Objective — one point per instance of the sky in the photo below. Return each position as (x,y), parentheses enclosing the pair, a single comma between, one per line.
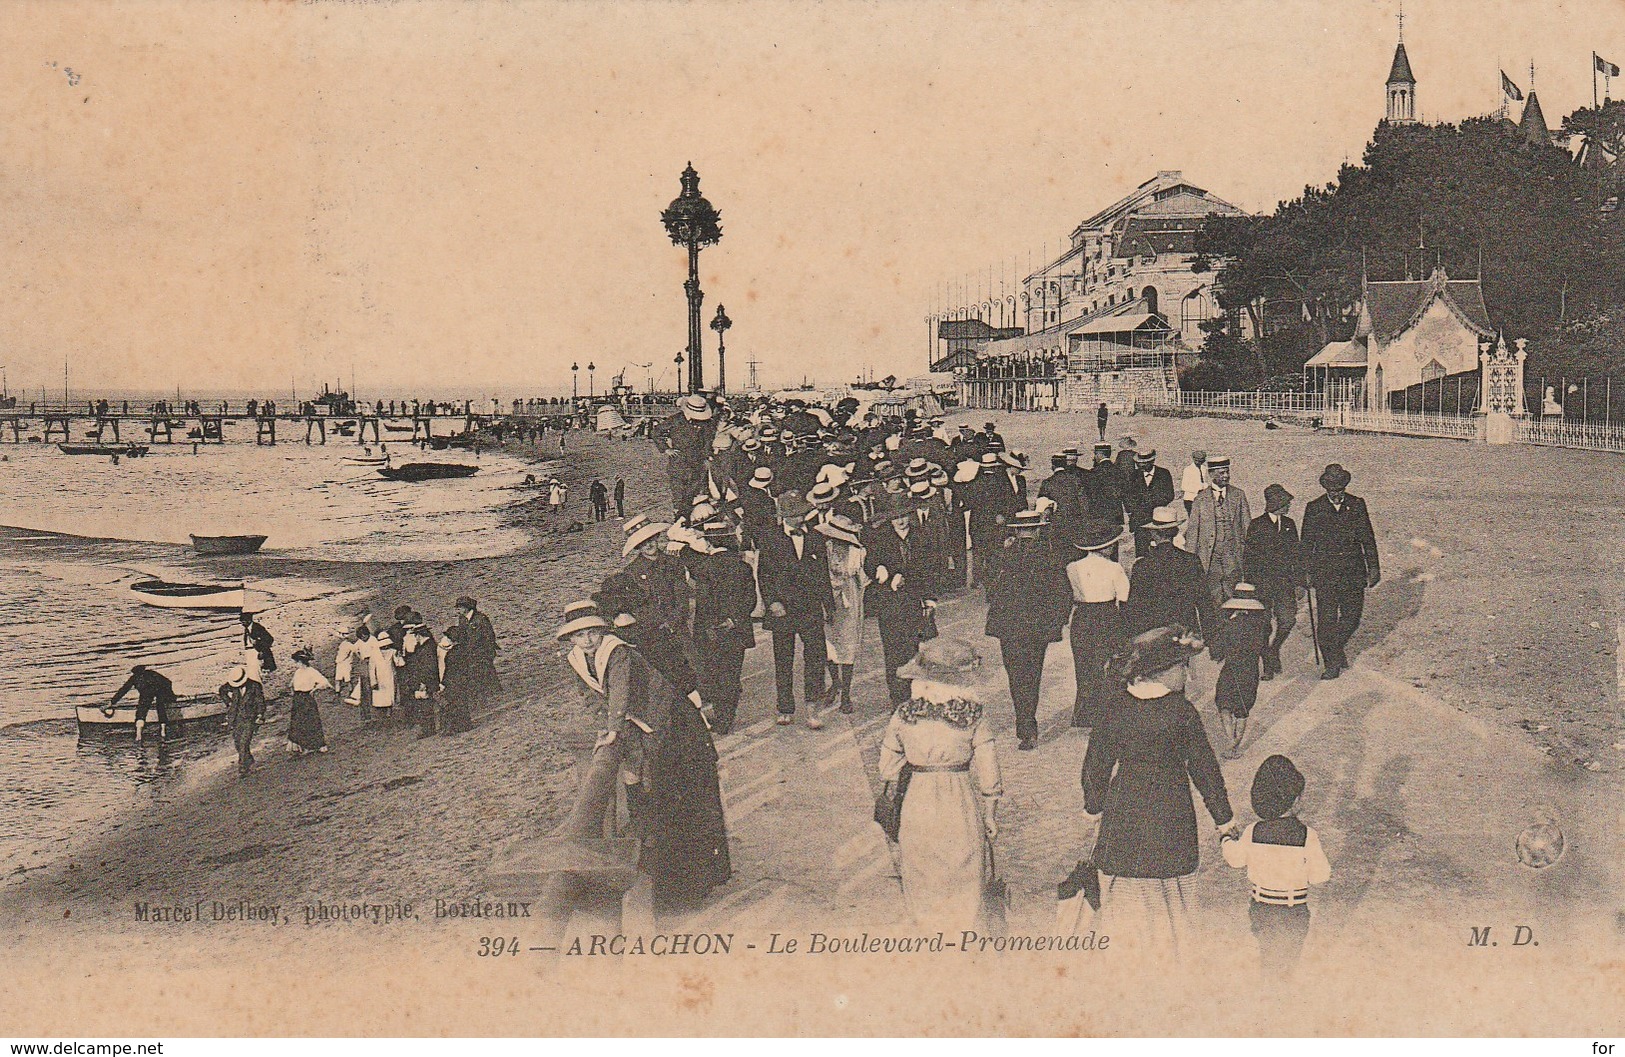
(464,198)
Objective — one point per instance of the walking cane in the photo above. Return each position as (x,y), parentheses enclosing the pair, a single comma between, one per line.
(1314,631)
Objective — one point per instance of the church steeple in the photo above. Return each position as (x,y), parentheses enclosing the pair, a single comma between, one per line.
(1401,82)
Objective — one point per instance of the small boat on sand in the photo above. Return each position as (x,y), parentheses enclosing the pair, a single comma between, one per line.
(227,544)
(397,427)
(365,460)
(428,471)
(195,711)
(103,450)
(166,595)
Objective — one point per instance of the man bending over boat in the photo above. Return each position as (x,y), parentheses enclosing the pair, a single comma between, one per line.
(153,691)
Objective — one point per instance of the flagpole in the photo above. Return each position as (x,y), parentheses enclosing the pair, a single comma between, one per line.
(1595,62)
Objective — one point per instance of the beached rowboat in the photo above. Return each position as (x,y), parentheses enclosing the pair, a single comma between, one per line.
(190,710)
(167,595)
(365,460)
(227,544)
(428,471)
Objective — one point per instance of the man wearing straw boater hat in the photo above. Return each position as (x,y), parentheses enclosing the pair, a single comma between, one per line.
(792,570)
(904,567)
(1166,588)
(1148,487)
(245,711)
(1340,562)
(758,511)
(1027,606)
(659,607)
(1273,564)
(724,598)
(687,437)
(1065,489)
(1099,589)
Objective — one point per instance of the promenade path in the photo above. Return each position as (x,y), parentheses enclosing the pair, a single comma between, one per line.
(1418,806)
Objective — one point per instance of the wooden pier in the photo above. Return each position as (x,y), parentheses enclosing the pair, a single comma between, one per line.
(57,423)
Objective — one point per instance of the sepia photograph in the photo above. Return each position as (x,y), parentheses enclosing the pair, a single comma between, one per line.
(910,519)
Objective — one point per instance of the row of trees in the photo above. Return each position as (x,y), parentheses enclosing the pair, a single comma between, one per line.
(1544,229)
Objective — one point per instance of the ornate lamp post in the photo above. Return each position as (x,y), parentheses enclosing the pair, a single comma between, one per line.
(575,394)
(693,223)
(720,323)
(590,368)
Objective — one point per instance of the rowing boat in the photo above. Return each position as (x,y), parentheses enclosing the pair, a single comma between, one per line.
(166,595)
(193,710)
(227,544)
(103,449)
(428,471)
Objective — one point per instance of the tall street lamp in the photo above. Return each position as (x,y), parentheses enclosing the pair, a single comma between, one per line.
(720,324)
(693,223)
(575,394)
(591,367)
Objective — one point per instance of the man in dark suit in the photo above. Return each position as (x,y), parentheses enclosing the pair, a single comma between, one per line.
(1065,488)
(1166,588)
(1148,486)
(992,496)
(1027,606)
(1271,561)
(1339,563)
(1103,488)
(904,561)
(792,571)
(724,599)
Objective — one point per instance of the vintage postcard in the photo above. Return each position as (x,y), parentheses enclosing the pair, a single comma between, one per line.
(822,519)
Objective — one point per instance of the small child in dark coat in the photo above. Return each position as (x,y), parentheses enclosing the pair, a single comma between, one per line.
(1240,642)
(1283,858)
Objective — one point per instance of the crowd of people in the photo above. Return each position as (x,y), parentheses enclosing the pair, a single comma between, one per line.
(399,675)
(812,521)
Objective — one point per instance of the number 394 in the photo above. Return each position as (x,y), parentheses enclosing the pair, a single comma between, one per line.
(497,946)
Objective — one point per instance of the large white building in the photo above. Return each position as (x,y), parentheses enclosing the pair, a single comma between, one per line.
(1134,257)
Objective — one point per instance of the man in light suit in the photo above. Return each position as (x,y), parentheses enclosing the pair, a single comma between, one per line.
(1217,532)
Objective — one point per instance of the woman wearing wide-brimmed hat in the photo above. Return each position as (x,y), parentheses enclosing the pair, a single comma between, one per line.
(843,624)
(305,732)
(667,762)
(1143,757)
(1099,589)
(948,817)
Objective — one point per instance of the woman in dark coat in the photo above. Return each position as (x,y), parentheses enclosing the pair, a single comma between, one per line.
(668,762)
(1137,774)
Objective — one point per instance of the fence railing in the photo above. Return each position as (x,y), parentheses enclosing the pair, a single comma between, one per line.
(1592,436)
(1259,402)
(1457,427)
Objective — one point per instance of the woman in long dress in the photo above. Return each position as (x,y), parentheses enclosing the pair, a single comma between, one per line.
(843,627)
(948,818)
(1099,589)
(1143,757)
(305,732)
(384,660)
(456,682)
(668,763)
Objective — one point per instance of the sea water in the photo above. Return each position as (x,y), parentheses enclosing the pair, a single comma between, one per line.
(78,530)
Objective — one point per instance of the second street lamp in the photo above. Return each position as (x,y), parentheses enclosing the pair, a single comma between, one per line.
(575,393)
(720,324)
(591,367)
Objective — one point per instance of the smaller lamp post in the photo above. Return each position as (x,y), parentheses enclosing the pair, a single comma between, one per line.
(575,393)
(590,368)
(720,324)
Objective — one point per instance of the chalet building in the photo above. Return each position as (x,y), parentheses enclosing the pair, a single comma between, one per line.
(1408,332)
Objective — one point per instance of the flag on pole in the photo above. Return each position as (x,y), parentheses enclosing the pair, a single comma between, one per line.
(1511,90)
(1604,67)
